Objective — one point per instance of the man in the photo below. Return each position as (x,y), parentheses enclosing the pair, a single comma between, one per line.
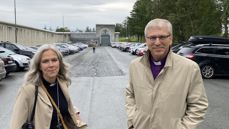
(94,45)
(165,90)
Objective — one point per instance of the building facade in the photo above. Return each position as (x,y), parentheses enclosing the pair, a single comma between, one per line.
(104,35)
(29,36)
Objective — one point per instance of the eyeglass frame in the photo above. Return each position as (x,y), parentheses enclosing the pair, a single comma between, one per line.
(160,37)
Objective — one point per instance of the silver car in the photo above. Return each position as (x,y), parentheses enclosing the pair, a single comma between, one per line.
(21,61)
(2,70)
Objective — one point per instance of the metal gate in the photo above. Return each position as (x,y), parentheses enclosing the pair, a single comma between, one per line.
(105,40)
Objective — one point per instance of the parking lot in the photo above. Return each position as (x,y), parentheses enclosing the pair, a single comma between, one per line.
(98,86)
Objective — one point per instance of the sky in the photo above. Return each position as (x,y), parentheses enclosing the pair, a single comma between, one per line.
(74,14)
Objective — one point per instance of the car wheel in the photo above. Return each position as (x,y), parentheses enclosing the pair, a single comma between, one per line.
(17,66)
(18,69)
(207,71)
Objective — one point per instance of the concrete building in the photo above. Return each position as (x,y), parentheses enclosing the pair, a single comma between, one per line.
(30,36)
(104,35)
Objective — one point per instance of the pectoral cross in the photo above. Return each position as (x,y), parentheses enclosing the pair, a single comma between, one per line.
(59,125)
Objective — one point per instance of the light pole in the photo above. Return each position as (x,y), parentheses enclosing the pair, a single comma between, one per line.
(63,29)
(126,30)
(15,21)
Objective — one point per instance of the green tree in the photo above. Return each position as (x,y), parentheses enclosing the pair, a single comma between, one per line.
(223,6)
(93,29)
(194,17)
(62,29)
(120,28)
(139,17)
(88,29)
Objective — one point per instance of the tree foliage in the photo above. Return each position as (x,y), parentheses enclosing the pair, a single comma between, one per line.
(62,29)
(88,29)
(223,6)
(139,17)
(120,28)
(189,17)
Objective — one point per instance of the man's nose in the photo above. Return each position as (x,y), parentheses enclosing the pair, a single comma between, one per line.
(157,41)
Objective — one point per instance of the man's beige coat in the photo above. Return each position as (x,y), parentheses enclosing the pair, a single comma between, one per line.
(176,99)
(43,113)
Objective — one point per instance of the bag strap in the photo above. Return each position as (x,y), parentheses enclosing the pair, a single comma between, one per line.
(57,109)
(35,103)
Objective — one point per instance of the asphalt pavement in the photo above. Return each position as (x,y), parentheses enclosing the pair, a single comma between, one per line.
(98,88)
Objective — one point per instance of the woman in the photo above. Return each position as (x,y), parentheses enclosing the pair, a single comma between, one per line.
(50,73)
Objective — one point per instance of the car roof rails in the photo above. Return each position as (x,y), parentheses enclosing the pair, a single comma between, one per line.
(207,39)
(211,44)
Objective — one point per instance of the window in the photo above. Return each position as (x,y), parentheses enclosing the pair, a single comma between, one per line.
(206,50)
(11,47)
(222,51)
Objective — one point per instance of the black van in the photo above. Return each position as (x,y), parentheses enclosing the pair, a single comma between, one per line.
(212,59)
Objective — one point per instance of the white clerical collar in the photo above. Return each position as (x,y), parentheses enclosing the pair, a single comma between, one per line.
(52,84)
(157,62)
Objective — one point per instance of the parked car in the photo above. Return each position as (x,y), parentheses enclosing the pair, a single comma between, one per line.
(18,48)
(80,45)
(21,61)
(2,70)
(133,47)
(134,50)
(72,49)
(65,51)
(113,44)
(208,40)
(176,47)
(212,59)
(9,63)
(141,51)
(125,47)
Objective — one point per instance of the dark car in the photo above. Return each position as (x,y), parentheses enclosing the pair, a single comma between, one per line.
(212,59)
(176,47)
(9,62)
(18,48)
(208,40)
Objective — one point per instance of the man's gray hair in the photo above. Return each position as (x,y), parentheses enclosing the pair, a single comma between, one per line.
(158,23)
(34,74)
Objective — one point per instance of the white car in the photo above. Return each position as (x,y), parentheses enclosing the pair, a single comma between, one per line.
(21,61)
(2,70)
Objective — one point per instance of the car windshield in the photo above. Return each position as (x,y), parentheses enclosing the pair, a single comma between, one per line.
(21,46)
(8,52)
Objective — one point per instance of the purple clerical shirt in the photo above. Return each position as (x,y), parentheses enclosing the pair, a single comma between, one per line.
(156,66)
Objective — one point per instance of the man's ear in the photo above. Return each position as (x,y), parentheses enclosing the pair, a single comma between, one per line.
(171,37)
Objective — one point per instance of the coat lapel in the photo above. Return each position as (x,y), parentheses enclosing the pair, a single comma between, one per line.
(43,96)
(147,68)
(64,88)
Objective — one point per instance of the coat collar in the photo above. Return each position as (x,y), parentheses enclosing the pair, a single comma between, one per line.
(145,59)
(146,63)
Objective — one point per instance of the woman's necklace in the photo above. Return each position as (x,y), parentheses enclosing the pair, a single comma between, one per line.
(58,105)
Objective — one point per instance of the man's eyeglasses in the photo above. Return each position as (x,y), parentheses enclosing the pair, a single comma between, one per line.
(160,37)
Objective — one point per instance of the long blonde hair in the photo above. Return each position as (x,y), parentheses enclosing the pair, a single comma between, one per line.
(34,74)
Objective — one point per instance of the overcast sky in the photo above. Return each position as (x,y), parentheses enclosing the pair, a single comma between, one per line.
(70,13)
